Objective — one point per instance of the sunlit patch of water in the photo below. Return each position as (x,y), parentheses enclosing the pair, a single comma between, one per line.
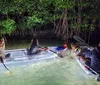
(59,72)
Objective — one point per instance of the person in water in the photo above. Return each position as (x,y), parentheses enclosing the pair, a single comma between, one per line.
(95,60)
(91,58)
(34,47)
(2,48)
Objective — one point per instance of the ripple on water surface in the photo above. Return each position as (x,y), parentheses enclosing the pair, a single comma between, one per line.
(59,72)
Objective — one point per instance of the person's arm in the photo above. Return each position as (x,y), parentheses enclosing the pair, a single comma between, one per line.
(83,59)
(2,44)
(43,48)
(1,59)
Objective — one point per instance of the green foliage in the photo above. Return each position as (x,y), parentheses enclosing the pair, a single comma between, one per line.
(41,12)
(65,4)
(29,22)
(14,6)
(7,26)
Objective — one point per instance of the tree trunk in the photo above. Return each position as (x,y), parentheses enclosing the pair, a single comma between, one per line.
(79,17)
(89,37)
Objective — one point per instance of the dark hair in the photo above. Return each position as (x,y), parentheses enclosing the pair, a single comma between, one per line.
(34,41)
(73,43)
(0,37)
(34,38)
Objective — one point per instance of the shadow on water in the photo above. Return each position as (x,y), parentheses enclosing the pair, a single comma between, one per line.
(15,44)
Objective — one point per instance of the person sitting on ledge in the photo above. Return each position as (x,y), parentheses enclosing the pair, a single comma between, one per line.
(2,48)
(34,47)
(93,61)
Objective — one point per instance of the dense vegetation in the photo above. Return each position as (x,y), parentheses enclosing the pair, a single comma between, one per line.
(62,16)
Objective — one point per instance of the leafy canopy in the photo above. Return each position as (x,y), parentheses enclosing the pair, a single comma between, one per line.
(29,14)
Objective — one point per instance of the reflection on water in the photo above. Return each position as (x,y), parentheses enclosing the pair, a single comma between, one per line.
(59,72)
(16,44)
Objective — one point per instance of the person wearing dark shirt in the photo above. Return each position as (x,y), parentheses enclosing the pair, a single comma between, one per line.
(34,44)
(91,58)
(86,55)
(95,60)
(34,47)
(2,47)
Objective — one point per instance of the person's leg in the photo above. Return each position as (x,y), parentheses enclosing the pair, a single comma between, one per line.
(28,51)
(37,52)
(88,62)
(1,59)
(98,79)
(82,59)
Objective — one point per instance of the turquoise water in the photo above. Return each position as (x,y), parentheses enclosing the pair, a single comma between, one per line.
(57,72)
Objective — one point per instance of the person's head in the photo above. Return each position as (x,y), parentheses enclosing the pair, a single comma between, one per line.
(34,39)
(1,39)
(73,46)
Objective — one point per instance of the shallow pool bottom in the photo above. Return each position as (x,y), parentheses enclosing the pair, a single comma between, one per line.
(58,72)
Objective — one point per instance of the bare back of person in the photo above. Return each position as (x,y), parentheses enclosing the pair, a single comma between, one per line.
(2,47)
